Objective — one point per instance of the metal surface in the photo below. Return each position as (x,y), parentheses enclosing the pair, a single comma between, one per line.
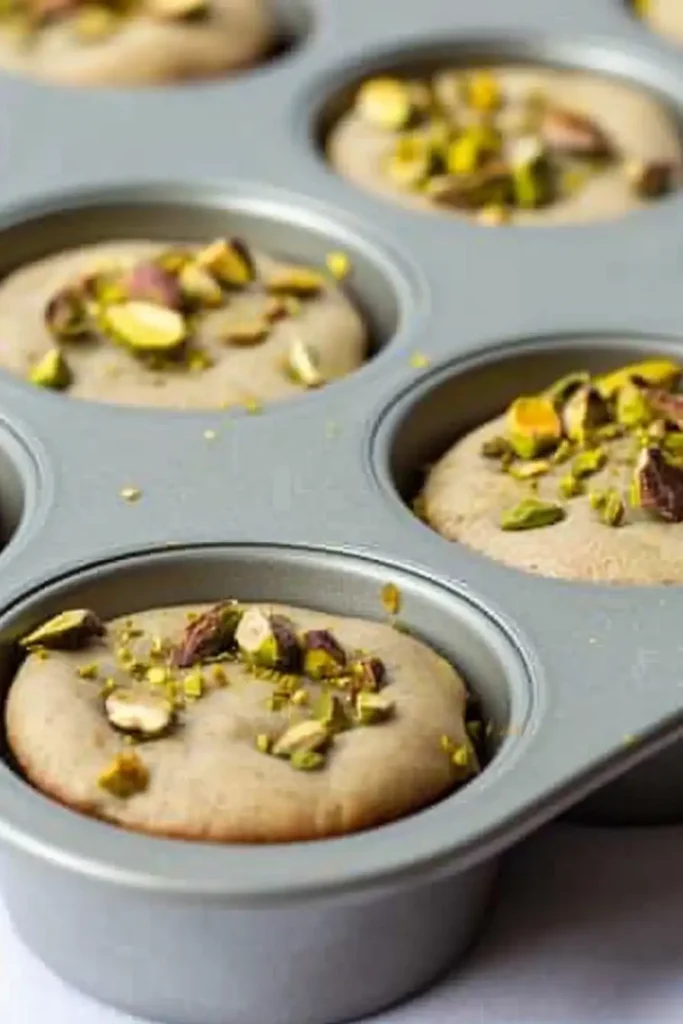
(304,503)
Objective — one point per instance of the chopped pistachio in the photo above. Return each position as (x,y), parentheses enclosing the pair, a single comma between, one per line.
(657,373)
(199,286)
(302,365)
(268,640)
(573,134)
(264,743)
(193,685)
(496,448)
(419,361)
(483,92)
(385,103)
(302,282)
(338,264)
(368,672)
(561,390)
(331,712)
(530,178)
(611,509)
(157,675)
(145,326)
(93,22)
(583,412)
(229,262)
(131,494)
(125,776)
(150,282)
(391,598)
(299,697)
(533,426)
(51,371)
(530,470)
(410,161)
(531,514)
(323,654)
(372,708)
(309,735)
(307,760)
(89,671)
(651,180)
(139,712)
(245,333)
(589,462)
(659,486)
(632,407)
(208,635)
(65,314)
(570,486)
(68,630)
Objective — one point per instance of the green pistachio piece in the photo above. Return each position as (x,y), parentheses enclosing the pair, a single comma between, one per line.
(497,448)
(570,487)
(52,371)
(208,635)
(145,326)
(410,161)
(268,641)
(307,760)
(301,365)
(138,712)
(656,373)
(68,630)
(561,390)
(323,655)
(531,514)
(611,509)
(530,470)
(373,708)
(309,736)
(65,314)
(331,712)
(584,412)
(229,261)
(199,287)
(632,407)
(302,282)
(125,776)
(533,426)
(385,103)
(530,174)
(492,185)
(589,462)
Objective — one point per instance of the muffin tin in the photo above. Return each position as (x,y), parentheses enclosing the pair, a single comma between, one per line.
(307,503)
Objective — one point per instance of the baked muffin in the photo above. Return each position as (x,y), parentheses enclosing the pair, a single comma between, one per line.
(237,723)
(177,325)
(584,481)
(664,16)
(133,42)
(511,144)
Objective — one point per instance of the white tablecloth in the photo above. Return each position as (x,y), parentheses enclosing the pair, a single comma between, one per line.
(588,928)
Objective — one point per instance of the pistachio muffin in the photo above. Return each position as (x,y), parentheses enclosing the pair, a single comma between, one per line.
(237,723)
(179,325)
(663,16)
(583,481)
(512,144)
(133,42)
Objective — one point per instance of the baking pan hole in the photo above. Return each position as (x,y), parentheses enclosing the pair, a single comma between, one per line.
(295,22)
(422,426)
(17,487)
(280,228)
(482,651)
(417,147)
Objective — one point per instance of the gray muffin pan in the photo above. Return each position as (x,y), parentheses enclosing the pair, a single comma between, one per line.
(306,503)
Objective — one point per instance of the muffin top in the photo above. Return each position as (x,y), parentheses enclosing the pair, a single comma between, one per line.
(237,723)
(584,481)
(177,325)
(664,16)
(133,42)
(521,144)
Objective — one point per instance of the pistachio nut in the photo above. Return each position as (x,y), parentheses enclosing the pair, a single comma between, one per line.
(490,185)
(531,181)
(67,631)
(199,287)
(269,641)
(65,314)
(531,514)
(656,373)
(150,282)
(323,655)
(145,327)
(338,264)
(51,371)
(245,333)
(483,91)
(659,485)
(612,509)
(573,134)
(410,161)
(212,633)
(94,22)
(570,486)
(301,365)
(307,760)
(667,405)
(331,712)
(176,10)
(530,470)
(469,151)
(384,103)
(632,407)
(589,462)
(302,282)
(309,735)
(498,448)
(533,426)
(368,672)
(390,596)
(230,262)
(372,708)
(583,412)
(139,712)
(651,180)
(561,390)
(125,776)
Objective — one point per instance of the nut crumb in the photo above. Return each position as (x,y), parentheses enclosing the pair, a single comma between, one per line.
(131,494)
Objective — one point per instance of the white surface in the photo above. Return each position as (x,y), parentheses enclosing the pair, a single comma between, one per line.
(588,928)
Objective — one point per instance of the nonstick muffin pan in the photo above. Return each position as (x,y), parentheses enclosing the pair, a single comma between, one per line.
(308,502)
